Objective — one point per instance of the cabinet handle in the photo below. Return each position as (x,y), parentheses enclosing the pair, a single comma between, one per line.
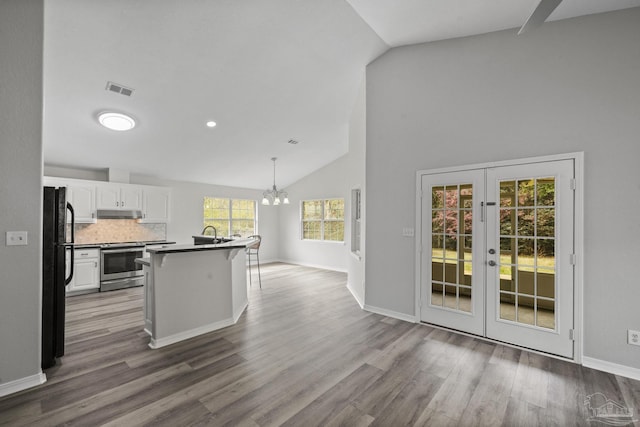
(95,264)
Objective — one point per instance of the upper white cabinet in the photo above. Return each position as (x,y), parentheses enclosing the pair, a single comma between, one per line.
(81,194)
(83,199)
(88,196)
(155,204)
(118,196)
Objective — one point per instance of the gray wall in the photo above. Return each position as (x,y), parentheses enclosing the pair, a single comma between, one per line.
(569,86)
(332,181)
(21,43)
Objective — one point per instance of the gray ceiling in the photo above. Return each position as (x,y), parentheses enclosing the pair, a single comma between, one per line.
(266,71)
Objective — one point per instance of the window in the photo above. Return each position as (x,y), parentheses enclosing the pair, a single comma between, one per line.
(356,220)
(323,220)
(230,216)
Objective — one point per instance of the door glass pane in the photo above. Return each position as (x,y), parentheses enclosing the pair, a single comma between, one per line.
(545,222)
(436,294)
(452,246)
(437,221)
(451,221)
(527,262)
(546,191)
(546,313)
(507,193)
(507,222)
(507,306)
(464,294)
(437,270)
(525,311)
(545,283)
(467,274)
(450,297)
(450,272)
(525,251)
(437,197)
(526,193)
(467,246)
(437,245)
(525,222)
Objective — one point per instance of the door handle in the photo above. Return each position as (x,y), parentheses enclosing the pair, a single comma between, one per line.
(492,263)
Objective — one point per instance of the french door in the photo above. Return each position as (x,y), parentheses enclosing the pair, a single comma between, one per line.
(497,250)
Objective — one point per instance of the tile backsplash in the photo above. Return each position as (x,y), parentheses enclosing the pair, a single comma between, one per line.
(119,230)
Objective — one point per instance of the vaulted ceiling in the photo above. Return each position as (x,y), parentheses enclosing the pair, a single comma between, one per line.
(266,71)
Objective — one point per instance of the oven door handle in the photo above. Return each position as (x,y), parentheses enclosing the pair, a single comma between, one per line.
(110,251)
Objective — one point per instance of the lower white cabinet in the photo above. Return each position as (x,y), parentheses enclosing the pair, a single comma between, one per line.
(86,271)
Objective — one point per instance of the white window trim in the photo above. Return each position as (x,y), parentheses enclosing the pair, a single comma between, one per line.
(230,220)
(322,221)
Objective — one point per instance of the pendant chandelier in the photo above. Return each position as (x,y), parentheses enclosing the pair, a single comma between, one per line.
(274,195)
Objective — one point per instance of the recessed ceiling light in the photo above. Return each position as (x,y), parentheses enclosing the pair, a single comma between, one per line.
(211,124)
(116,121)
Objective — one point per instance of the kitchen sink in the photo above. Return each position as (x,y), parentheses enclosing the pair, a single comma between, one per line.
(209,240)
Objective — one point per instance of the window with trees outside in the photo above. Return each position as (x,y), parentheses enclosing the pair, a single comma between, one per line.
(230,216)
(323,220)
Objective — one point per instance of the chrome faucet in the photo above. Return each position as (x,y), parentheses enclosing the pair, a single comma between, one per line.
(215,232)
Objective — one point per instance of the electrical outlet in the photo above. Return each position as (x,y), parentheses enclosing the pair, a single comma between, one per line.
(634,337)
(16,238)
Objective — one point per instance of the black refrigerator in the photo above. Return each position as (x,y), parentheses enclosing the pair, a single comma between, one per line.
(57,240)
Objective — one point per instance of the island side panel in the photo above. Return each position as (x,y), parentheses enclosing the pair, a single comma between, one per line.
(192,293)
(239,283)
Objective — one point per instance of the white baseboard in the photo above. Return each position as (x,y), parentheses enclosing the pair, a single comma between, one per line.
(355,295)
(390,313)
(306,264)
(236,315)
(172,339)
(22,384)
(612,368)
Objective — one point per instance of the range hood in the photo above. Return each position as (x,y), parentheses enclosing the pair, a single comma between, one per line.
(118,214)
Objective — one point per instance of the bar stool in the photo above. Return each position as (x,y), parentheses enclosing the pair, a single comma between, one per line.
(252,251)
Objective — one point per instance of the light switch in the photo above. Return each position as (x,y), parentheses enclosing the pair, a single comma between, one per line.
(16,238)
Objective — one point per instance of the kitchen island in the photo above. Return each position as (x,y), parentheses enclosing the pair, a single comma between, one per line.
(193,289)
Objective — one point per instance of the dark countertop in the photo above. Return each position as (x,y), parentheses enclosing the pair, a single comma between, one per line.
(99,245)
(240,243)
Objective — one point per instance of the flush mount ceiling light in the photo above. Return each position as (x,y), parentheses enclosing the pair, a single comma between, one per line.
(116,121)
(274,195)
(211,124)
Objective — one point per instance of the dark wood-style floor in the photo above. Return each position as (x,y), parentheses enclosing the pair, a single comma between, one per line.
(303,354)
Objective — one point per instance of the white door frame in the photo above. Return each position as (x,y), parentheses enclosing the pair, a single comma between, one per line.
(578,158)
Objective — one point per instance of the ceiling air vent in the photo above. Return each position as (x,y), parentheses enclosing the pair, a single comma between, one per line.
(118,88)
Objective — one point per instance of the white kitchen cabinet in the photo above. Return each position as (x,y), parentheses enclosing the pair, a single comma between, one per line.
(86,271)
(155,204)
(81,195)
(113,196)
(83,200)
(88,196)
